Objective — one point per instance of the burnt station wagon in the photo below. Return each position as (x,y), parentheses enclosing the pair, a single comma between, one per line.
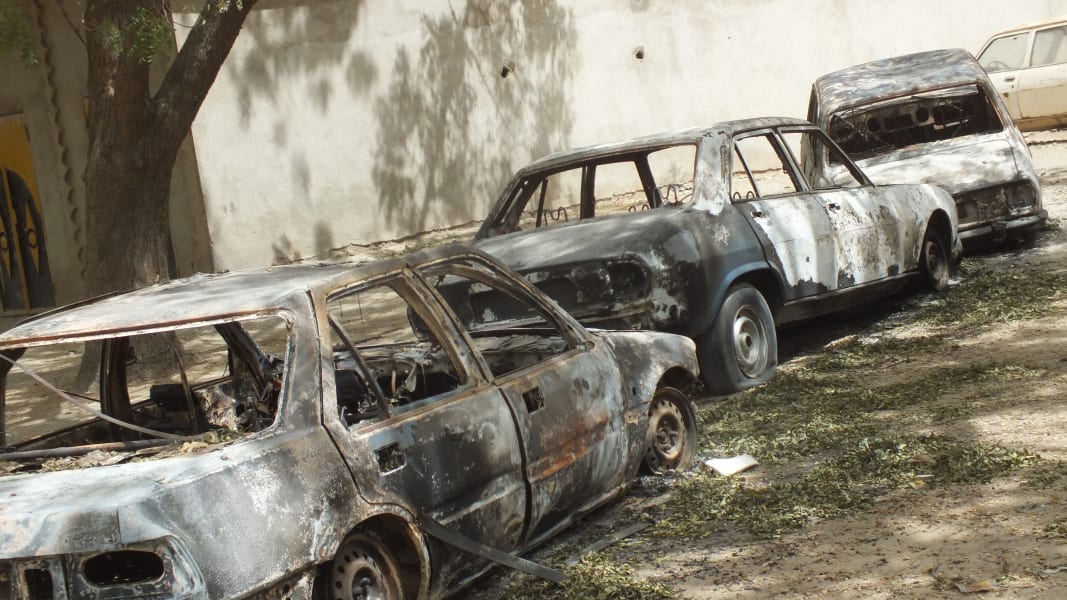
(717,234)
(324,431)
(935,117)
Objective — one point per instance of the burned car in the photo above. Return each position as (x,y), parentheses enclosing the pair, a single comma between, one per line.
(326,431)
(935,117)
(718,234)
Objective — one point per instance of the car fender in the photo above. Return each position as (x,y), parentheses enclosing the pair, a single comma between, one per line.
(764,275)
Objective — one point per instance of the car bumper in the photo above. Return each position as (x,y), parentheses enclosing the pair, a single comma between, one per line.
(998,230)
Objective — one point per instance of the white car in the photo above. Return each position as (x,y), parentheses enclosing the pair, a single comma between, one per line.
(1028,67)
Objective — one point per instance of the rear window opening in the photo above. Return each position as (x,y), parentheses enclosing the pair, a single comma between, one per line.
(62,402)
(882,127)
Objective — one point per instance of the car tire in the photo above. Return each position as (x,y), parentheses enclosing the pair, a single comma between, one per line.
(672,432)
(364,568)
(934,261)
(741,349)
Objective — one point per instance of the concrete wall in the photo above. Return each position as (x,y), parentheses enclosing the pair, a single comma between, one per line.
(52,97)
(48,95)
(337,122)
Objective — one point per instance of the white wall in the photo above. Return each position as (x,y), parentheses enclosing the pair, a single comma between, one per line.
(351,121)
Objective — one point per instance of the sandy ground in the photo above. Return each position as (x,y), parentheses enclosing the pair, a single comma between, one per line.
(952,541)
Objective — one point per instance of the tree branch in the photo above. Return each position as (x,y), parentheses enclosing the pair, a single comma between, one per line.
(198,62)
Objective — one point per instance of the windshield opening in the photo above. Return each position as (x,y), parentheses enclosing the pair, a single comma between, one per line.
(882,127)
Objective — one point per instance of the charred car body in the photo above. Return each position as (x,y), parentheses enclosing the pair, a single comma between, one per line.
(717,234)
(935,117)
(315,423)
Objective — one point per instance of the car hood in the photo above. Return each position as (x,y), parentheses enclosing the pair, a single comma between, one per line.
(614,236)
(956,165)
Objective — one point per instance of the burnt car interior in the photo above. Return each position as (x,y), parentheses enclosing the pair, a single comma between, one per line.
(386,350)
(873,129)
(150,389)
(608,185)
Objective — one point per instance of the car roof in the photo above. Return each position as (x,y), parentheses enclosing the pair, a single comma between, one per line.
(655,141)
(897,76)
(208,297)
(1028,26)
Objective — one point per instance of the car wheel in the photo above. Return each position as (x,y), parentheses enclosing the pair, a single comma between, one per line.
(741,350)
(672,434)
(934,263)
(364,569)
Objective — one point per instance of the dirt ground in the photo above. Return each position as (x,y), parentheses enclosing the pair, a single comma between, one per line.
(947,541)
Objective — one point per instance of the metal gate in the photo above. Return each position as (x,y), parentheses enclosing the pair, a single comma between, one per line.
(25,279)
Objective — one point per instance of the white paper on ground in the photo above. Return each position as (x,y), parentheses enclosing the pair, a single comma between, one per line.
(734,464)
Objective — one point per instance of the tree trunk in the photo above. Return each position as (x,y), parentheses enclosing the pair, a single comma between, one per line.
(134,135)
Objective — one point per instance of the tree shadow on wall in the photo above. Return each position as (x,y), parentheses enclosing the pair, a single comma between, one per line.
(306,37)
(489,82)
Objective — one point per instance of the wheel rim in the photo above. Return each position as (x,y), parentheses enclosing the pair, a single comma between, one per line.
(359,577)
(750,342)
(668,435)
(936,265)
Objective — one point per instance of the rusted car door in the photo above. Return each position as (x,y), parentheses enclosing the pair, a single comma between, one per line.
(793,224)
(562,386)
(419,425)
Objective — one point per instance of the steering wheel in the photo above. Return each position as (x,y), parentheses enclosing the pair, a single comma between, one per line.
(996,66)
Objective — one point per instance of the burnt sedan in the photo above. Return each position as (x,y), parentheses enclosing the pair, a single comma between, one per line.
(935,117)
(718,234)
(319,431)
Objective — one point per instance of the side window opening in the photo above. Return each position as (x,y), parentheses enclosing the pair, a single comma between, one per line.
(545,201)
(758,169)
(1050,47)
(618,188)
(809,148)
(385,355)
(673,169)
(1005,53)
(508,328)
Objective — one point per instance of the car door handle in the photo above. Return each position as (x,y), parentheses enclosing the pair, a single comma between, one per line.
(833,206)
(757,213)
(1009,79)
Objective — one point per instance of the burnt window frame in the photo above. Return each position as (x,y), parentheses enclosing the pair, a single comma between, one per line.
(980,88)
(576,337)
(530,188)
(412,293)
(781,151)
(822,159)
